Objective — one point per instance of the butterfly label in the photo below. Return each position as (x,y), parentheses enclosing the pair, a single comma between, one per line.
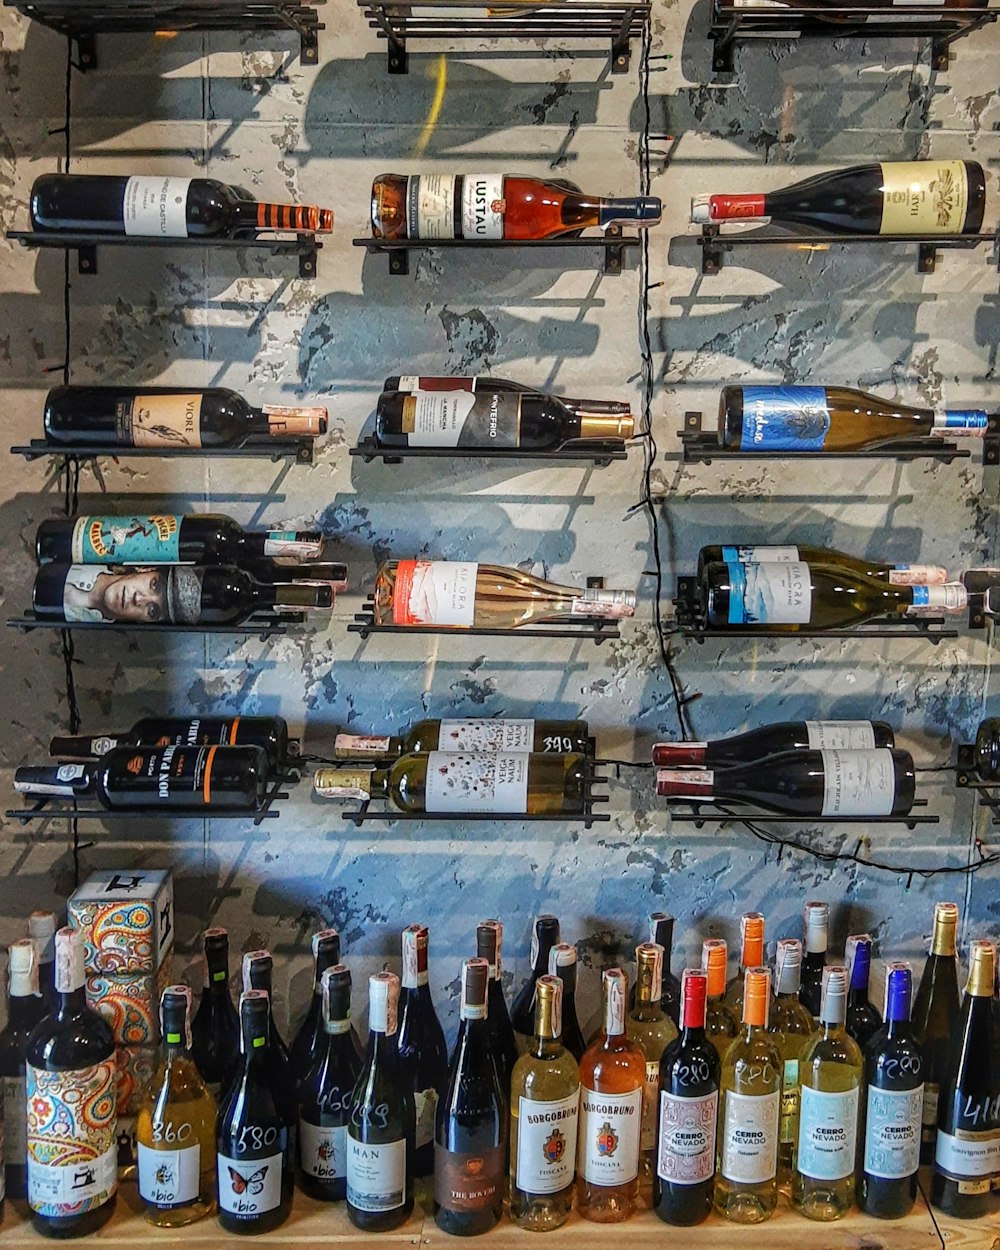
(249,1187)
(169,1178)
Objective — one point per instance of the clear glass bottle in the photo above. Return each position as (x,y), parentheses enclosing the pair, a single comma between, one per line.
(720,1023)
(791,1026)
(652,1030)
(751,956)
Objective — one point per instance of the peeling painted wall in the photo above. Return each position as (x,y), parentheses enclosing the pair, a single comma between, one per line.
(247,112)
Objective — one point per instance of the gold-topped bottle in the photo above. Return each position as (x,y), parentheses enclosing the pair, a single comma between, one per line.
(649,1026)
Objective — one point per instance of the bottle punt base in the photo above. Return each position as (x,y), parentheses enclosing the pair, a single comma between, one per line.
(821,1205)
(743,1209)
(179,1217)
(541,1213)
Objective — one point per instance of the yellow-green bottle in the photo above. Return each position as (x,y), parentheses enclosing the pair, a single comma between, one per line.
(790,1025)
(720,1023)
(649,1026)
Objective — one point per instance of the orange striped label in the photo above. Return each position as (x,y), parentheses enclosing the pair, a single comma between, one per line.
(287,217)
(206,789)
(234,730)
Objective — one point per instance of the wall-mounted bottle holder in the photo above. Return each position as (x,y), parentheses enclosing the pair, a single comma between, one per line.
(705,812)
(298,449)
(260,624)
(591,450)
(967,778)
(615,22)
(613,242)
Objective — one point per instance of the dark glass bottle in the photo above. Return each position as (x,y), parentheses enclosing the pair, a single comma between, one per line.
(563,964)
(489,946)
(71,1072)
(863,1017)
(661,933)
(816,927)
(470,1136)
(270,733)
(24,1011)
(935,1010)
(987,749)
(215,1029)
(522,1013)
(684,1175)
(423,1052)
(42,926)
(256,1136)
(258,974)
(768,740)
(311,1035)
(326,1090)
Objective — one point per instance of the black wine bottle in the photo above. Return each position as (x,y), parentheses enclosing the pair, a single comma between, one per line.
(935,1010)
(42,927)
(545,935)
(863,1018)
(256,1135)
(489,946)
(311,1034)
(23,1014)
(170,418)
(423,1053)
(71,1100)
(470,1136)
(987,749)
(326,1091)
(270,733)
(318,572)
(176,594)
(215,1029)
(816,940)
(258,974)
(562,964)
(793,735)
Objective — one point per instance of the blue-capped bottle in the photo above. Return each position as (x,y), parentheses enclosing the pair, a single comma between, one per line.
(863,1017)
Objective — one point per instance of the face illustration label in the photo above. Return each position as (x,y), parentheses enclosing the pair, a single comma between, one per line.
(686,1153)
(160,421)
(858,783)
(547,1143)
(72,1152)
(435,592)
(750,1137)
(249,1187)
(126,540)
(924,197)
(784,418)
(770,594)
(892,1132)
(610,1126)
(376,1175)
(156,207)
(462,419)
(828,1125)
(476,783)
(169,1178)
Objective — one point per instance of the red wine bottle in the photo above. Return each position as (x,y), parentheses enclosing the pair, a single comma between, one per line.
(24,1011)
(311,1035)
(215,1029)
(270,733)
(758,744)
(423,1053)
(489,944)
(522,1013)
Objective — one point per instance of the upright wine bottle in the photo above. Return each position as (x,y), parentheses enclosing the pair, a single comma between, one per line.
(894,1079)
(311,1035)
(420,1044)
(790,1025)
(544,935)
(612,1079)
(816,927)
(661,933)
(894,197)
(720,1023)
(326,1091)
(381,1125)
(489,946)
(176,1125)
(544,1118)
(830,1074)
(935,1010)
(690,1071)
(270,733)
(652,1030)
(255,1143)
(71,1100)
(967,1148)
(22,1017)
(751,956)
(470,1136)
(768,740)
(42,926)
(863,1018)
(258,974)
(472,737)
(215,1029)
(563,964)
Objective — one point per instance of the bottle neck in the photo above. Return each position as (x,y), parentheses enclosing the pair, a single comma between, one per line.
(692,1034)
(22,1012)
(381,1046)
(546,1047)
(297,218)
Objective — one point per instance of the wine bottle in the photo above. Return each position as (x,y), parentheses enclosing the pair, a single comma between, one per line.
(258,974)
(461,595)
(483,418)
(470,1136)
(863,1018)
(935,1009)
(175,1125)
(806,783)
(751,956)
(489,944)
(720,1023)
(987,749)
(160,206)
(894,1077)
(215,1029)
(71,1100)
(311,1034)
(23,1014)
(270,733)
(830,1074)
(831,418)
(816,927)
(895,574)
(544,935)
(178,594)
(411,382)
(316,573)
(255,1145)
(563,964)
(544,1118)
(688,1111)
(171,418)
(612,1079)
(967,1148)
(481,207)
(326,1091)
(440,781)
(381,1125)
(894,197)
(768,740)
(42,926)
(490,736)
(129,778)
(420,1045)
(790,1025)
(799,595)
(652,1030)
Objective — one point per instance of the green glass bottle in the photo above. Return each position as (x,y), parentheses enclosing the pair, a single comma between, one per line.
(790,1025)
(720,1023)
(935,1009)
(649,1026)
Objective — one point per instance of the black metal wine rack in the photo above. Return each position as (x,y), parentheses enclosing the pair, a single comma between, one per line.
(260,624)
(942,26)
(700,813)
(298,449)
(83,20)
(615,22)
(595,452)
(613,242)
(967,778)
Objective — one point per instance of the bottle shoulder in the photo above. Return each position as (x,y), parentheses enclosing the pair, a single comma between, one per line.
(73,1041)
(543,1079)
(837,1049)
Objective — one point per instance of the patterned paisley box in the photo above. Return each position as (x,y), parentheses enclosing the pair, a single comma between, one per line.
(135,1067)
(131,1004)
(127,921)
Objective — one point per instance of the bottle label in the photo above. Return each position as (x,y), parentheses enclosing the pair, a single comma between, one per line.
(770,594)
(176,772)
(249,1187)
(486,737)
(840,735)
(360,744)
(595,601)
(928,1116)
(750,1137)
(760,555)
(546,1143)
(650,1096)
(892,1132)
(376,1175)
(159,421)
(72,1152)
(126,540)
(156,207)
(917,575)
(285,544)
(462,419)
(425,1103)
(468,1182)
(476,783)
(789,1101)
(967,1154)
(434,592)
(686,1153)
(948,598)
(828,1129)
(924,197)
(610,1125)
(483,206)
(323,1150)
(430,206)
(169,1178)
(784,418)
(15,1121)
(858,783)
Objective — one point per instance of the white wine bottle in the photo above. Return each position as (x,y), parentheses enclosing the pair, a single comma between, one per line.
(476,736)
(895,574)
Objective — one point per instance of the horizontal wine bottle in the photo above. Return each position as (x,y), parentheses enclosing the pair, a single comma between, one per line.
(170,418)
(411,382)
(894,197)
(536,785)
(791,735)
(178,594)
(831,418)
(474,736)
(895,574)
(804,783)
(481,207)
(461,595)
(270,733)
(160,206)
(809,596)
(214,778)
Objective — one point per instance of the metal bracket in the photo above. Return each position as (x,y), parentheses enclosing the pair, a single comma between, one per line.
(307,262)
(399,61)
(991,440)
(614,256)
(926,258)
(309,45)
(621,51)
(712,250)
(86,258)
(86,51)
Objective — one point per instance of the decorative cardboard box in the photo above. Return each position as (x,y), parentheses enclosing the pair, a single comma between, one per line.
(130,1004)
(135,1066)
(127,920)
